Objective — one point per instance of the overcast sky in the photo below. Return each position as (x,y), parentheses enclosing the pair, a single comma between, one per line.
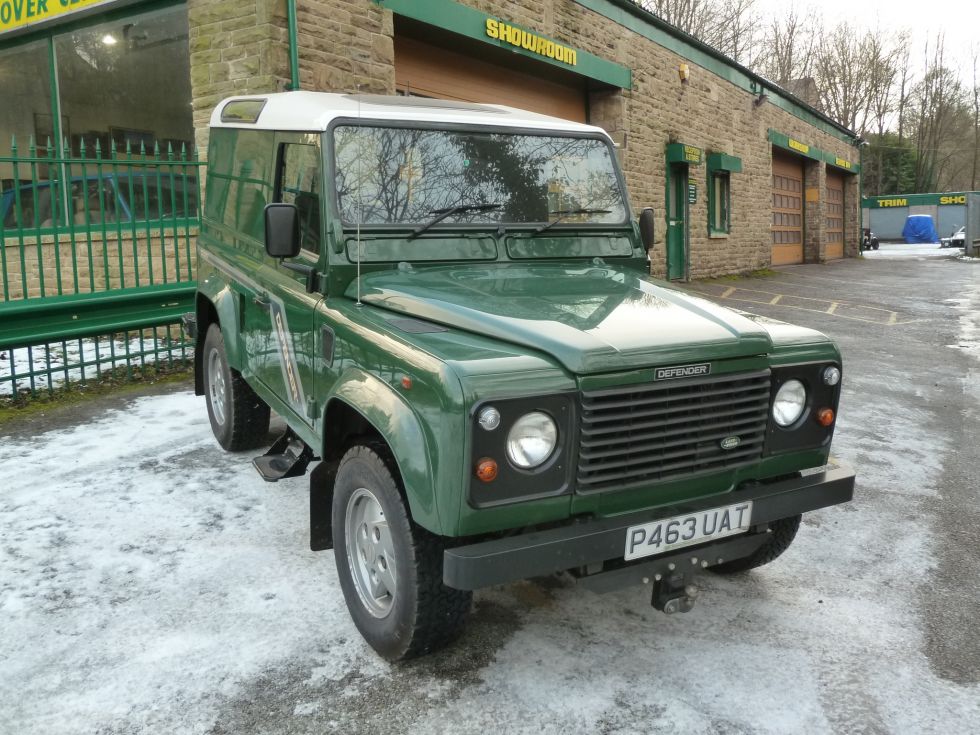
(958,21)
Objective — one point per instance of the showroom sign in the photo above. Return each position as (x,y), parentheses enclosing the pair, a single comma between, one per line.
(18,14)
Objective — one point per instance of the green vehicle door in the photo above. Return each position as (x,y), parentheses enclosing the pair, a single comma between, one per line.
(289,366)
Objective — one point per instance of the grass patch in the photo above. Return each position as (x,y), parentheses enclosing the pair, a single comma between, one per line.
(112,382)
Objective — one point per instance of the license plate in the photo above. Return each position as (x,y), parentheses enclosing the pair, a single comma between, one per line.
(667,534)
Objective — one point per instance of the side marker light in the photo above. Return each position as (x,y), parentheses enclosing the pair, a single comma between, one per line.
(825,416)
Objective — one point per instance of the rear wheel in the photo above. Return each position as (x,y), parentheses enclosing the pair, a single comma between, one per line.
(781,535)
(390,569)
(239,418)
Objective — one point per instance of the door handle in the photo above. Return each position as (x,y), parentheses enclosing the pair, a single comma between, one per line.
(261,301)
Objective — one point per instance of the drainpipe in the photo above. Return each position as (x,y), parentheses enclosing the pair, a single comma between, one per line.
(293,45)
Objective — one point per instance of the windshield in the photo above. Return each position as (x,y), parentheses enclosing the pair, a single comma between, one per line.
(390,175)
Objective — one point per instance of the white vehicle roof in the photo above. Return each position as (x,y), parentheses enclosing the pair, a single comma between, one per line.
(314,111)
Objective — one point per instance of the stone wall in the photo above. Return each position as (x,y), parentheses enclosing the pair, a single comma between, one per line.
(346,45)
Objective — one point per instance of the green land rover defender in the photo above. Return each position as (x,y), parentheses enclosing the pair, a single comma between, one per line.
(449,306)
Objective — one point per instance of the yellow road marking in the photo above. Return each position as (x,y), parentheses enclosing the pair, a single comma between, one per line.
(833,308)
(775,300)
(728,292)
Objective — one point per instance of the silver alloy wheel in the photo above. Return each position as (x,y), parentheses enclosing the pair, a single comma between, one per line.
(370,552)
(216,386)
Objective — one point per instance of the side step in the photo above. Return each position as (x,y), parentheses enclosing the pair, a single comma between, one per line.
(287,457)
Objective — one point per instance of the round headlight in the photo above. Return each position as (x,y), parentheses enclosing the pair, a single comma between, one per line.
(790,402)
(831,375)
(532,440)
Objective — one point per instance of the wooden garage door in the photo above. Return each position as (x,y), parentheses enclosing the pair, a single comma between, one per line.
(430,71)
(787,209)
(834,220)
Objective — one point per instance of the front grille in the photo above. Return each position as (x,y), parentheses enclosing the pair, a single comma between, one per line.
(647,433)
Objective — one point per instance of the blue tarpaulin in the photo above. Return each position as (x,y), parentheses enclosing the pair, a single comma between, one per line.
(919,228)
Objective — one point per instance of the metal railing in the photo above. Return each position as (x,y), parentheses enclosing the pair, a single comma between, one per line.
(97,259)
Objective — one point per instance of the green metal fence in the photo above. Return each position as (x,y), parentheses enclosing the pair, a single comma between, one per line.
(97,262)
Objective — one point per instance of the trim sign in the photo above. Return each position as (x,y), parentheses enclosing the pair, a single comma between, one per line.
(682,371)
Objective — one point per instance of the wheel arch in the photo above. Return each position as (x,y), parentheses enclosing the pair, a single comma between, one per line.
(361,405)
(216,308)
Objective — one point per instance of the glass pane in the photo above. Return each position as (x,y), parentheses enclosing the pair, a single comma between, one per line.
(127,81)
(300,185)
(25,112)
(397,175)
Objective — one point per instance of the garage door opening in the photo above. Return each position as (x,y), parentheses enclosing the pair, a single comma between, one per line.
(787,208)
(451,68)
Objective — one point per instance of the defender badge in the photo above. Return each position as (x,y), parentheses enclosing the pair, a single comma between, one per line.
(730,442)
(682,371)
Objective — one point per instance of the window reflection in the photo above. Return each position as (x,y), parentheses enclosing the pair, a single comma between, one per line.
(398,175)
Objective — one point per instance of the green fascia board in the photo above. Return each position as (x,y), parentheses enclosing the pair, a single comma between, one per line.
(943,199)
(466,21)
(684,153)
(801,148)
(635,18)
(724,162)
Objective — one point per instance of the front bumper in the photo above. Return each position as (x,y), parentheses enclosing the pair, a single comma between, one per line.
(589,543)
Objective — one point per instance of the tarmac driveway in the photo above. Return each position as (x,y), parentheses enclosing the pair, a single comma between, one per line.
(150,583)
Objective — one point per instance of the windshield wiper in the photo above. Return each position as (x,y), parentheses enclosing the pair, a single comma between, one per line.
(563,213)
(449,211)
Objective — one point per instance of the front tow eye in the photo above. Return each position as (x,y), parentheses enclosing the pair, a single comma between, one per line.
(674,593)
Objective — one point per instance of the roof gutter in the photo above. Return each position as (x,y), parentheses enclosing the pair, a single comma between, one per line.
(761,82)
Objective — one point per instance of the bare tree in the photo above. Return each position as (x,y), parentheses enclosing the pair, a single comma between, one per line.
(728,25)
(788,46)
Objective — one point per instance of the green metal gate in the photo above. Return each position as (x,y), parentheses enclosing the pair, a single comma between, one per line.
(97,263)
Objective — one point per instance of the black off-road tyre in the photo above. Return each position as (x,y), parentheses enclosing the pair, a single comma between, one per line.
(424,615)
(782,533)
(239,418)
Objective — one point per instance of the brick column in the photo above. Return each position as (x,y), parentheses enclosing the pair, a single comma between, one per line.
(852,216)
(814,211)
(236,47)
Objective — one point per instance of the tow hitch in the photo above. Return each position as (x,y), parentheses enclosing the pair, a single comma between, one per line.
(674,593)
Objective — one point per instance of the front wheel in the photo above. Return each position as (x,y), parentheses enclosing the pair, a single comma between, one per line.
(390,569)
(781,535)
(239,418)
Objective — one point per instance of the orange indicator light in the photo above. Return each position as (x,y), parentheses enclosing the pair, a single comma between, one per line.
(406,382)
(486,470)
(825,416)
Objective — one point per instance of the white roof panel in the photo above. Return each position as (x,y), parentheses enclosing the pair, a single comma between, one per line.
(314,111)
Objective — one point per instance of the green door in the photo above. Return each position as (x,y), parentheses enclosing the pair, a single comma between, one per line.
(677,221)
(289,367)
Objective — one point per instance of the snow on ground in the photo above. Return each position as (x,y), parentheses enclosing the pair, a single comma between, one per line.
(151,583)
(65,361)
(916,251)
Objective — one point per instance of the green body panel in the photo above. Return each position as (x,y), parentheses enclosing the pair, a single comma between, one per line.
(425,330)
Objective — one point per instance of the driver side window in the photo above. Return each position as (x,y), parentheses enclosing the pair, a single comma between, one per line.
(300,185)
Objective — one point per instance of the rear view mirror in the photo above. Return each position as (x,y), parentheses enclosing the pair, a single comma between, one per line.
(647,228)
(281,230)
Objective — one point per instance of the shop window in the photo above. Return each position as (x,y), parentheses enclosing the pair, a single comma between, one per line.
(127,82)
(25,110)
(721,166)
(300,185)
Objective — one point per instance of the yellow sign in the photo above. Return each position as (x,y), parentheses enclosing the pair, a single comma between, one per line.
(16,14)
(798,146)
(893,202)
(526,40)
(842,163)
(960,199)
(692,154)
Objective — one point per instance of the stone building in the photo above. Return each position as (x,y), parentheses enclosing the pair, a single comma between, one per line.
(742,174)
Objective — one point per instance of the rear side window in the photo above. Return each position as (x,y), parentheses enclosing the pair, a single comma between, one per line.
(299,184)
(240,175)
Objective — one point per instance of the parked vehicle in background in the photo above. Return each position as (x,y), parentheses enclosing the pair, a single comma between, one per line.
(93,200)
(869,240)
(955,240)
(450,306)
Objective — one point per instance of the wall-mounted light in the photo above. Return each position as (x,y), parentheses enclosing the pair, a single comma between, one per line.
(760,100)
(684,72)
(109,40)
